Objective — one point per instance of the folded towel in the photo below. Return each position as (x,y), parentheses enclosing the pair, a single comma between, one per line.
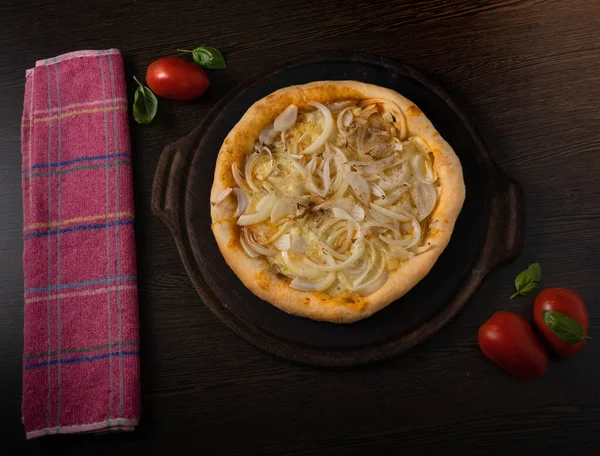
(81,350)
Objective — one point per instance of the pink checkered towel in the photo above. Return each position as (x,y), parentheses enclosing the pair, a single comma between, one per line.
(81,357)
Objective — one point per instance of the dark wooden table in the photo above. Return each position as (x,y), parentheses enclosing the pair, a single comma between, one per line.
(529,74)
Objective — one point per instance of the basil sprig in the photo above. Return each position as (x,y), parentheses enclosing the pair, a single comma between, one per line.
(207,57)
(564,327)
(528,280)
(145,104)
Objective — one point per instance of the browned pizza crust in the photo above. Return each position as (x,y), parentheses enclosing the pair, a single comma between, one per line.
(348,307)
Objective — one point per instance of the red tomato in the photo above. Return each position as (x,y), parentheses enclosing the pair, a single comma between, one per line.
(564,301)
(176,79)
(509,341)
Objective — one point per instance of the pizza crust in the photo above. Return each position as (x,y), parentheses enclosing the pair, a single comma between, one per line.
(256,275)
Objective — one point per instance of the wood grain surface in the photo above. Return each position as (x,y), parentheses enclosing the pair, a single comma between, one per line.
(528,72)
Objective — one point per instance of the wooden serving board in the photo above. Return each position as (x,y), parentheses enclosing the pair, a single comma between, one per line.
(489,231)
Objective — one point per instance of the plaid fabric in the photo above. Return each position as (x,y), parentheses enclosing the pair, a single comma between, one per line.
(81,363)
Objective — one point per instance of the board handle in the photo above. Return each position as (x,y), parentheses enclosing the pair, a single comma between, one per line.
(507,215)
(168,186)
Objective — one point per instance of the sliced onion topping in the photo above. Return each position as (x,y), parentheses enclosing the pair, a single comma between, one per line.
(422,169)
(396,215)
(255,246)
(327,129)
(237,176)
(250,252)
(299,245)
(360,187)
(307,285)
(357,213)
(283,243)
(337,201)
(300,269)
(424,196)
(286,119)
(337,105)
(358,251)
(283,207)
(282,229)
(222,196)
(268,134)
(243,201)
(263,211)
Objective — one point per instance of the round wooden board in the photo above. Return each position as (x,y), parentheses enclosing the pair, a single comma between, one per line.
(489,231)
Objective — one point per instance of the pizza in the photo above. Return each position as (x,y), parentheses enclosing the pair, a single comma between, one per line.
(333,199)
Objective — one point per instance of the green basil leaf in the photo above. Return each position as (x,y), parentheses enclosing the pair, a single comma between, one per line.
(528,288)
(564,327)
(535,272)
(207,57)
(528,280)
(145,104)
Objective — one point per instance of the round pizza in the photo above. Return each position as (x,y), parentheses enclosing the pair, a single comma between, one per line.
(333,199)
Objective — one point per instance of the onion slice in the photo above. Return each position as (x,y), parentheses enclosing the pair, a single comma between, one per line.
(401,216)
(221,196)
(343,121)
(283,207)
(372,285)
(343,203)
(283,243)
(327,129)
(255,246)
(382,165)
(394,109)
(400,253)
(416,235)
(296,144)
(358,252)
(237,176)
(243,201)
(307,285)
(405,243)
(360,187)
(373,256)
(327,175)
(334,253)
(341,214)
(299,245)
(309,182)
(422,169)
(424,196)
(248,167)
(393,197)
(251,253)
(263,211)
(421,248)
(377,191)
(359,268)
(337,105)
(299,269)
(395,242)
(286,119)
(421,144)
(357,212)
(268,134)
(379,217)
(282,229)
